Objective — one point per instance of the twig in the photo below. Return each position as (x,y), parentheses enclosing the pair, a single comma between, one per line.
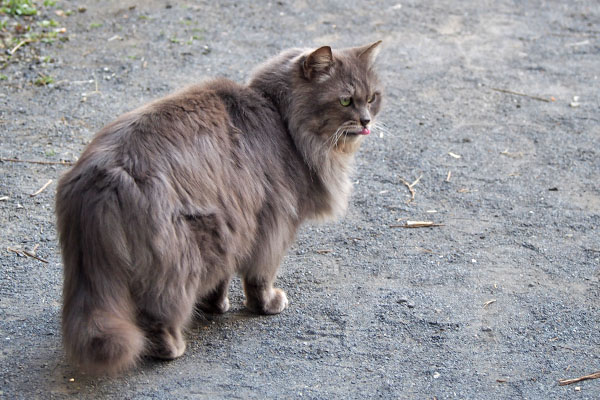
(522,95)
(565,347)
(410,187)
(95,83)
(14,251)
(423,249)
(37,162)
(564,382)
(40,190)
(511,155)
(324,251)
(28,254)
(449,175)
(21,43)
(487,303)
(417,224)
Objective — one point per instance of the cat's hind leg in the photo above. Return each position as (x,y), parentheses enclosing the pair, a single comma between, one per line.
(167,301)
(165,338)
(163,319)
(216,301)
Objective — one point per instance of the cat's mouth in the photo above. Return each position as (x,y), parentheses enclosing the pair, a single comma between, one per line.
(358,131)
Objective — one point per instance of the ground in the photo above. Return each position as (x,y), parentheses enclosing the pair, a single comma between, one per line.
(493,105)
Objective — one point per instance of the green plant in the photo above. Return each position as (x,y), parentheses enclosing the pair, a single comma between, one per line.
(44,80)
(48,23)
(18,7)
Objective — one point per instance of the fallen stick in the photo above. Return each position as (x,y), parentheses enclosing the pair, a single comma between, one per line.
(449,175)
(564,382)
(28,254)
(324,251)
(40,190)
(37,162)
(410,187)
(21,43)
(417,224)
(511,155)
(487,303)
(423,249)
(522,95)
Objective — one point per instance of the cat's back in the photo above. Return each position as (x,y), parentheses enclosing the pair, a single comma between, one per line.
(214,113)
(185,148)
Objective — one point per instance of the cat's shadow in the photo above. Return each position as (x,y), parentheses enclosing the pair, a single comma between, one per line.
(64,379)
(212,321)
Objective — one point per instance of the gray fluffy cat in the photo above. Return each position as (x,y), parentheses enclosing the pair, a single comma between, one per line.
(170,200)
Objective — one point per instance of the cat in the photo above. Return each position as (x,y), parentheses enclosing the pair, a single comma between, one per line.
(170,200)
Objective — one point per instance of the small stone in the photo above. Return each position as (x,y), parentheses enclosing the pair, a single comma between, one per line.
(436,375)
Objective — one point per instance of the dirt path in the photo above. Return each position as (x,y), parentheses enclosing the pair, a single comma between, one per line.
(500,302)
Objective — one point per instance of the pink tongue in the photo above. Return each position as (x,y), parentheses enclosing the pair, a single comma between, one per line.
(365,131)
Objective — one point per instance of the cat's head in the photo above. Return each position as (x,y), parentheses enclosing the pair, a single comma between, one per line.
(336,95)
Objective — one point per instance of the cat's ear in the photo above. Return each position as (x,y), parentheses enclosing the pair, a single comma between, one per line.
(369,52)
(318,62)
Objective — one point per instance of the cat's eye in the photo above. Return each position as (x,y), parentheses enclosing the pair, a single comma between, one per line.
(346,101)
(371,99)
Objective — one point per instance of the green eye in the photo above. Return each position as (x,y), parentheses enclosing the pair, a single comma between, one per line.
(370,99)
(346,101)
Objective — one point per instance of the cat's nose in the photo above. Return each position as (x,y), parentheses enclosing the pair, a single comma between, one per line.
(365,121)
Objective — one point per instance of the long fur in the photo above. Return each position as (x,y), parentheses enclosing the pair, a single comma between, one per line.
(170,200)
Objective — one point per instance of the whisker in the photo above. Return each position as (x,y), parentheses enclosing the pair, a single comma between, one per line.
(380,126)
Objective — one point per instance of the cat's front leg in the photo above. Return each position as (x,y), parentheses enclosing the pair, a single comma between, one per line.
(263,298)
(260,269)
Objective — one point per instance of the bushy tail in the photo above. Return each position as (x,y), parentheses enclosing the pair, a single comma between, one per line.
(100,340)
(99,316)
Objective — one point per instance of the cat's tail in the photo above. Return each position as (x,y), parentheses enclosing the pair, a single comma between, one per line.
(100,338)
(100,334)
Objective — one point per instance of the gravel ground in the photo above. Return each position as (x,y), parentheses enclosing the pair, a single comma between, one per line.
(500,302)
